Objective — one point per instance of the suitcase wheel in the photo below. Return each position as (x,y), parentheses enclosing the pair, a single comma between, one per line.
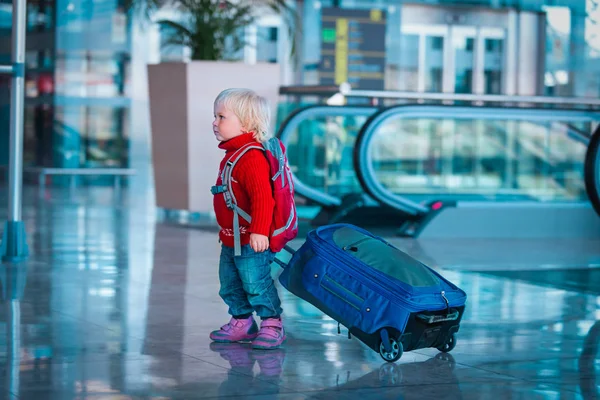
(395,351)
(449,345)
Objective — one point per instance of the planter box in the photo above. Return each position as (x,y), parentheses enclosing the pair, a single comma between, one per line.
(185,155)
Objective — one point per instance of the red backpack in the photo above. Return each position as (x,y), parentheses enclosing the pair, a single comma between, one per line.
(284,226)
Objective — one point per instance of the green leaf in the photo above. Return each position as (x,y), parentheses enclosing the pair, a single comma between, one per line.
(210,23)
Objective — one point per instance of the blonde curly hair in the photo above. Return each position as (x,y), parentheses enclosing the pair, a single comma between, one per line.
(251,109)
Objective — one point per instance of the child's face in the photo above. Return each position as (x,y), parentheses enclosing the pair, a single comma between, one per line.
(226,124)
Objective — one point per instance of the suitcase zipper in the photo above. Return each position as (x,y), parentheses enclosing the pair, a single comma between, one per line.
(352,246)
(332,282)
(445,299)
(368,278)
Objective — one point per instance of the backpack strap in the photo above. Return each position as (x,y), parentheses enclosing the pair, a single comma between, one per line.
(287,224)
(227,190)
(273,145)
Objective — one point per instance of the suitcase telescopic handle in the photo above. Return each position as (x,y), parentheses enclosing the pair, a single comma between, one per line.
(281,263)
(289,249)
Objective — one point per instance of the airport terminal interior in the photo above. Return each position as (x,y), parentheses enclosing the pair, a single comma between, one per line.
(466,133)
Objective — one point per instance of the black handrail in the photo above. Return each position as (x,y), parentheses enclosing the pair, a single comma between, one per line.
(592,170)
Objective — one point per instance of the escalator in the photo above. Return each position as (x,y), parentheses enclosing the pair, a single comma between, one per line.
(483,171)
(320,144)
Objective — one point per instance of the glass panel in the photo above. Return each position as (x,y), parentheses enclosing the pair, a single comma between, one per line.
(93,74)
(102,77)
(40,16)
(68,127)
(434,63)
(493,66)
(90,137)
(71,74)
(38,131)
(106,139)
(463,56)
(479,160)
(5,15)
(320,153)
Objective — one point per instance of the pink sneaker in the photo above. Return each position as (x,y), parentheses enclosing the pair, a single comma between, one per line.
(270,336)
(237,330)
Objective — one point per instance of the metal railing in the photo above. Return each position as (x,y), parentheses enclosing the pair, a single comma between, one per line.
(43,172)
(14,242)
(475,98)
(347,91)
(310,90)
(116,173)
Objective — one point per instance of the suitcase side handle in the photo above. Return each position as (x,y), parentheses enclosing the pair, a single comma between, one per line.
(433,319)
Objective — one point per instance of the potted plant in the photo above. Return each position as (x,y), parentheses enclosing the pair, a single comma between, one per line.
(184,154)
(212,28)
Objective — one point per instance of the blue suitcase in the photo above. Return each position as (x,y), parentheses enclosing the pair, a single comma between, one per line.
(389,300)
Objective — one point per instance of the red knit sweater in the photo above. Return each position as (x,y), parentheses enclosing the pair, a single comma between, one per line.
(251,181)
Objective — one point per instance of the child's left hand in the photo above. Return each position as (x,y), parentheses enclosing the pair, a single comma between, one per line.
(259,243)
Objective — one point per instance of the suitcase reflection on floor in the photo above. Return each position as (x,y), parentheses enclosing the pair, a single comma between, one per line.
(400,381)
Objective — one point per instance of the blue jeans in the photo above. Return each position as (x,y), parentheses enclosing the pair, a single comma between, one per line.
(246,282)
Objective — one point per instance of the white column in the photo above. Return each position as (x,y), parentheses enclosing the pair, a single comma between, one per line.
(511,52)
(449,70)
(479,63)
(529,51)
(284,59)
(422,61)
(251,43)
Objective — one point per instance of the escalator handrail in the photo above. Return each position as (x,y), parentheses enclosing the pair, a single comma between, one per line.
(592,170)
(362,156)
(292,122)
